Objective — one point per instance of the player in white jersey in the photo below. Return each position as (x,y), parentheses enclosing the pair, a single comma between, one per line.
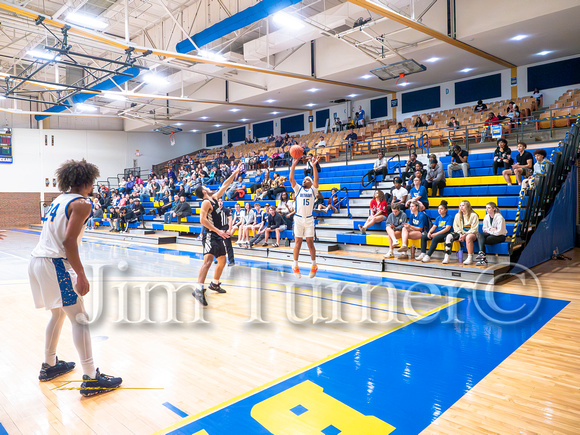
(57,276)
(304,198)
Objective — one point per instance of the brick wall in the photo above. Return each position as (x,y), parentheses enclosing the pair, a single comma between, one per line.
(19,209)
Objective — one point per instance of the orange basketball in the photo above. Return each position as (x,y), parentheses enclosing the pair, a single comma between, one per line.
(296,152)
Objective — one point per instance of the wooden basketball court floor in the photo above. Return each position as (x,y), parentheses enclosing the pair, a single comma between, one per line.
(432,357)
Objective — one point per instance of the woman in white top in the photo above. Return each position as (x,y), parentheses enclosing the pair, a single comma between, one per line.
(248,224)
(494,231)
(286,209)
(465,229)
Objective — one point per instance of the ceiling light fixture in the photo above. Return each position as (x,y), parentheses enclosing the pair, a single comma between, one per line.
(286,20)
(205,117)
(234,110)
(38,54)
(155,79)
(211,55)
(313,90)
(194,131)
(115,97)
(311,104)
(82,107)
(352,95)
(86,21)
(217,125)
(466,70)
(433,59)
(543,53)
(274,113)
(519,37)
(366,76)
(244,119)
(270,101)
(179,124)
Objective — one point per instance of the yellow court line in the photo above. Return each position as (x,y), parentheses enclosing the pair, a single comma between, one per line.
(228,402)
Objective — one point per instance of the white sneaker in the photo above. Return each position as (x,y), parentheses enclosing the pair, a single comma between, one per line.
(389,254)
(445,259)
(420,256)
(468,260)
(426,259)
(396,244)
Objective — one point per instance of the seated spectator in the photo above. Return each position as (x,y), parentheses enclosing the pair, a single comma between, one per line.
(378,211)
(418,194)
(308,169)
(453,123)
(258,179)
(286,209)
(337,124)
(410,166)
(168,216)
(441,227)
(494,232)
(513,111)
(249,219)
(113,219)
(321,143)
(334,201)
(481,107)
(540,156)
(238,219)
(435,177)
(458,162)
(352,136)
(395,223)
(522,167)
(122,185)
(400,128)
(465,229)
(97,215)
(182,210)
(138,210)
(259,221)
(319,204)
(399,194)
(491,120)
(418,122)
(126,217)
(164,204)
(538,97)
(277,187)
(429,121)
(419,173)
(417,225)
(233,187)
(502,156)
(274,223)
(379,167)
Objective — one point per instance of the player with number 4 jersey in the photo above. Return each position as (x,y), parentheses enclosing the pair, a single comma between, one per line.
(304,198)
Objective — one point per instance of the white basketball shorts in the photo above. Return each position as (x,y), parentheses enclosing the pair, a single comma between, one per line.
(303,227)
(53,282)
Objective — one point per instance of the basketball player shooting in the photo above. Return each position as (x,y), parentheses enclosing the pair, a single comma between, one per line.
(212,238)
(304,198)
(57,276)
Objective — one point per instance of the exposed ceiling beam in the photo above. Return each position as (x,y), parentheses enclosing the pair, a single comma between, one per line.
(119,44)
(385,12)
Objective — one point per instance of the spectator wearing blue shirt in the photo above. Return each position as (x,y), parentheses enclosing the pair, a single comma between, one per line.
(441,227)
(400,128)
(417,225)
(418,193)
(361,117)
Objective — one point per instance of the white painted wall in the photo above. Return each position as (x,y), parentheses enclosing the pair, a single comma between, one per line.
(111,151)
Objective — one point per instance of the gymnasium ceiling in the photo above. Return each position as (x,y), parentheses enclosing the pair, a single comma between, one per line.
(341,53)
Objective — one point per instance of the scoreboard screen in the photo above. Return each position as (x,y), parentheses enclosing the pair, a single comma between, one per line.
(5,148)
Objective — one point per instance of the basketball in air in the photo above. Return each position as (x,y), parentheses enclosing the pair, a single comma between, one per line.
(296,152)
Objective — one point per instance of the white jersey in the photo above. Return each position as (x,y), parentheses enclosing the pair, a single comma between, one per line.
(304,200)
(53,233)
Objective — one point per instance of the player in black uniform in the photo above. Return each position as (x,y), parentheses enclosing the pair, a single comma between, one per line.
(226,225)
(212,238)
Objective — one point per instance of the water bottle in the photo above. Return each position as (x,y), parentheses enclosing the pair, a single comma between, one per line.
(460,255)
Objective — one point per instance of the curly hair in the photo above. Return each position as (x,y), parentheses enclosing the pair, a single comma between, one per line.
(76,173)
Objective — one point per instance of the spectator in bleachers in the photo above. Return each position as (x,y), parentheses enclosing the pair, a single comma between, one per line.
(126,217)
(113,219)
(379,167)
(418,122)
(164,204)
(502,156)
(97,215)
(238,219)
(410,166)
(418,193)
(308,169)
(494,232)
(337,124)
(465,229)
(429,121)
(491,120)
(400,128)
(419,173)
(271,138)
(138,210)
(233,187)
(122,184)
(481,107)
(249,220)
(441,227)
(259,179)
(168,215)
(259,221)
(334,201)
(286,209)
(395,223)
(170,175)
(522,167)
(537,96)
(350,124)
(361,117)
(319,204)
(435,177)
(378,211)
(458,162)
(453,123)
(273,222)
(540,156)
(417,225)
(352,136)
(399,194)
(321,143)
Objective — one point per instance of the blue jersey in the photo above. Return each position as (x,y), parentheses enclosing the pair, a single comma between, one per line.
(442,222)
(260,216)
(419,220)
(422,192)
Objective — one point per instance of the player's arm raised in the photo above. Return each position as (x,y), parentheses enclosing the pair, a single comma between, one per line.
(315,160)
(227,183)
(78,212)
(206,223)
(291,176)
